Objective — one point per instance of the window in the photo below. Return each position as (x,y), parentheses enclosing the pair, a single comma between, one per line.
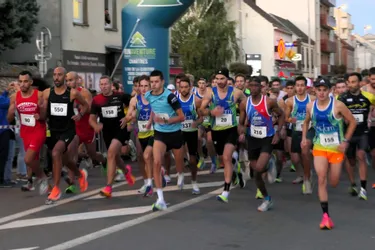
(110,18)
(80,11)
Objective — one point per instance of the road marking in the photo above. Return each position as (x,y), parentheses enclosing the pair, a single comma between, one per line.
(59,203)
(28,248)
(166,189)
(76,217)
(127,224)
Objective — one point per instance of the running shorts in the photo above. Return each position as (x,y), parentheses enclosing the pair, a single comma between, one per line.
(357,143)
(332,157)
(297,139)
(65,136)
(172,140)
(121,135)
(145,142)
(222,137)
(256,146)
(191,139)
(35,141)
(86,137)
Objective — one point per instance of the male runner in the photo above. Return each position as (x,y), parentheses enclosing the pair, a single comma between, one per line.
(85,132)
(189,127)
(340,87)
(223,99)
(295,114)
(167,116)
(109,107)
(28,102)
(59,110)
(359,106)
(257,110)
(145,140)
(327,115)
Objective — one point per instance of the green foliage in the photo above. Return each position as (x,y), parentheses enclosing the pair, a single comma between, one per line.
(204,38)
(240,68)
(17,23)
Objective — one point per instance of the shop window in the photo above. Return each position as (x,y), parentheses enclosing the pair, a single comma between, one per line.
(110,17)
(80,11)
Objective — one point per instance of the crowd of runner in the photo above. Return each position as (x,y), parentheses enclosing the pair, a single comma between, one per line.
(249,126)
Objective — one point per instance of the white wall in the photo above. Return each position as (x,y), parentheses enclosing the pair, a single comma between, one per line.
(365,57)
(294,10)
(94,37)
(257,34)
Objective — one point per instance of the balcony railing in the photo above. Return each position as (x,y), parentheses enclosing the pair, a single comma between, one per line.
(329,3)
(324,69)
(327,21)
(327,46)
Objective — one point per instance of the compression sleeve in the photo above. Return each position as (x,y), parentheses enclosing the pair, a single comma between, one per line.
(173,101)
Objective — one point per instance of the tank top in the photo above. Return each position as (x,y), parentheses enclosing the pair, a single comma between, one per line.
(299,111)
(329,132)
(83,124)
(189,109)
(60,111)
(27,108)
(143,115)
(259,119)
(197,93)
(228,118)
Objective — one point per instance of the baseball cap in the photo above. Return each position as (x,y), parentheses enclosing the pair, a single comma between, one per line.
(322,82)
(171,87)
(223,71)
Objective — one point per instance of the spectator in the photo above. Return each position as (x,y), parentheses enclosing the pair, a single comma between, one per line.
(4,134)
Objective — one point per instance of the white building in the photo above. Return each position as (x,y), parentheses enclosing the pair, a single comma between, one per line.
(260,34)
(81,39)
(364,54)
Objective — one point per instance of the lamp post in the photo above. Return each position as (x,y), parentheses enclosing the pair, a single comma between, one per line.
(310,63)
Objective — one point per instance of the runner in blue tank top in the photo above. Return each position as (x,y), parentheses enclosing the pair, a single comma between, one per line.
(140,111)
(224,123)
(167,116)
(327,115)
(189,104)
(295,114)
(257,110)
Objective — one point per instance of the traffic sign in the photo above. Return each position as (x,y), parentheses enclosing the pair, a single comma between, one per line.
(43,39)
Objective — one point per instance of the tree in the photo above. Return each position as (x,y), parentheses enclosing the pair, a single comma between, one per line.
(241,68)
(17,23)
(204,38)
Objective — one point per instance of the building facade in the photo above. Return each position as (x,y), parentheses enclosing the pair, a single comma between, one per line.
(364,54)
(86,38)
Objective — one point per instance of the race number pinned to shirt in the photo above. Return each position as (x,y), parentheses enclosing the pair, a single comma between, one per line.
(59,109)
(142,126)
(28,120)
(224,120)
(186,125)
(358,118)
(299,124)
(163,116)
(109,112)
(258,131)
(206,119)
(329,140)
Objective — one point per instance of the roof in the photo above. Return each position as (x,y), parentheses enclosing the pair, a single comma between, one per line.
(294,29)
(276,23)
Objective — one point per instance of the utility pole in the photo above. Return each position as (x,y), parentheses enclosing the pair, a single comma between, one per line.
(311,61)
(43,41)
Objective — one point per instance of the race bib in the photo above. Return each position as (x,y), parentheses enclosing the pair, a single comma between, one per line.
(163,116)
(109,112)
(224,120)
(142,126)
(28,120)
(328,140)
(258,132)
(186,125)
(358,118)
(59,109)
(299,124)
(206,119)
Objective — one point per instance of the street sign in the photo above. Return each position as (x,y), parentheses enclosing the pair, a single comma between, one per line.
(297,57)
(43,41)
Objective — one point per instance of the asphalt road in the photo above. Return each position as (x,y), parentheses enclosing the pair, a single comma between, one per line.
(88,222)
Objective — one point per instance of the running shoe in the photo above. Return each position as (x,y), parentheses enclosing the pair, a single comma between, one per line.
(82,180)
(326,222)
(106,191)
(128,176)
(54,196)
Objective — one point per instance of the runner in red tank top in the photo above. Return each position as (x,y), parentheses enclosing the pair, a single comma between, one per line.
(84,131)
(27,101)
